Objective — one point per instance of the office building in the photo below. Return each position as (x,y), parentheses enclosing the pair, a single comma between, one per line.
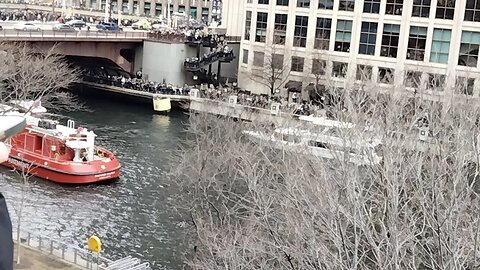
(428,45)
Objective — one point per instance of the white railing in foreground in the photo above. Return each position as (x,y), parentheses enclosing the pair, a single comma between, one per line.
(81,258)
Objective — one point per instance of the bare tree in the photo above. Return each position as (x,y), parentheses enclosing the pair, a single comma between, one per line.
(274,67)
(29,74)
(278,206)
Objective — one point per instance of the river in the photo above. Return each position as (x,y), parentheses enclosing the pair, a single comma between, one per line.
(132,216)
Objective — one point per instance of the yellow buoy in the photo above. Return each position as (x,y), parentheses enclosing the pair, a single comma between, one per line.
(94,244)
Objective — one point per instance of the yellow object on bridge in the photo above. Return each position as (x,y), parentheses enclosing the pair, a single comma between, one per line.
(94,244)
(161,104)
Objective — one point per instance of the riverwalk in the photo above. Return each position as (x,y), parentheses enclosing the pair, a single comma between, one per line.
(40,252)
(32,259)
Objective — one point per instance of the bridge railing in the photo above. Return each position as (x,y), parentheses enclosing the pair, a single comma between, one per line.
(49,34)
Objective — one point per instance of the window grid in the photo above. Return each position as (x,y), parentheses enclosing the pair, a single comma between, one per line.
(390,37)
(343,36)
(300,34)
(436,82)
(263,2)
(258,59)
(297,63)
(469,49)
(322,33)
(282,2)
(277,61)
(280,29)
(416,43)
(339,69)
(413,79)
(364,73)
(368,38)
(318,67)
(371,6)
(440,45)
(472,11)
(325,4)
(248,25)
(394,7)
(464,85)
(421,8)
(261,31)
(385,75)
(347,5)
(245,56)
(445,9)
(303,3)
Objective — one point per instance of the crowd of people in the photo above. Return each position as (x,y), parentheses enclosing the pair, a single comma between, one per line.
(220,52)
(222,94)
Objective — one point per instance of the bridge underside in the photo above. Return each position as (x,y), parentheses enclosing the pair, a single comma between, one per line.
(122,53)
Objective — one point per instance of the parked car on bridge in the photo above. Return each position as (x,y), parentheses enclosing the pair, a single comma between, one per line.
(76,23)
(63,27)
(109,27)
(142,25)
(26,26)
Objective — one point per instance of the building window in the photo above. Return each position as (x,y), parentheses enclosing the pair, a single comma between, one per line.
(440,45)
(368,38)
(277,61)
(347,5)
(413,79)
(205,14)
(464,86)
(371,6)
(394,7)
(325,4)
(445,9)
(147,6)
(263,2)
(261,32)
(282,2)
(280,30)
(472,11)
(158,9)
(193,15)
(181,9)
(364,73)
(436,82)
(469,49)
(303,3)
(248,24)
(245,56)
(322,33)
(421,8)
(258,58)
(297,63)
(416,43)
(343,36)
(385,75)
(339,69)
(318,67)
(300,35)
(390,37)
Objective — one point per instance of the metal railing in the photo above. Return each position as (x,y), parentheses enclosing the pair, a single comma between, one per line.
(84,34)
(76,256)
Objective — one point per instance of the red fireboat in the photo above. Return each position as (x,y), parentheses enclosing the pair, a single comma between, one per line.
(62,154)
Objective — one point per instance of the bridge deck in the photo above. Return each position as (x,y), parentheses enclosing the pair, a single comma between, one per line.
(49,35)
(135,93)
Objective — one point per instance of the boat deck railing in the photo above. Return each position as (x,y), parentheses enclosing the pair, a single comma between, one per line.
(76,256)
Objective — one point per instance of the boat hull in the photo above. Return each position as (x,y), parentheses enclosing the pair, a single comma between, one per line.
(69,173)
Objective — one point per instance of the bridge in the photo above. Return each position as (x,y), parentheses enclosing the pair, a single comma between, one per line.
(77,36)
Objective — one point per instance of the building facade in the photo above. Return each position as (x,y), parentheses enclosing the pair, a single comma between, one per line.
(232,13)
(427,45)
(201,10)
